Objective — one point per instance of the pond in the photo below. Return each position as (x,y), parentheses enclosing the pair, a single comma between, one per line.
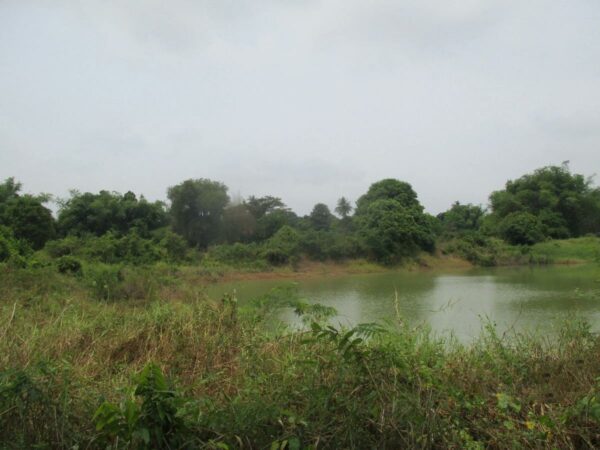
(531,299)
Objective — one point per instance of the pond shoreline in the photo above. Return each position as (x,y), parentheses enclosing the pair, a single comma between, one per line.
(307,269)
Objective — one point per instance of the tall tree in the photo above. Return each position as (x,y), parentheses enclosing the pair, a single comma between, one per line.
(197,209)
(391,221)
(261,206)
(320,217)
(343,208)
(389,189)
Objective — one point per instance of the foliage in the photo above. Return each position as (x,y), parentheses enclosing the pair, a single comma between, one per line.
(389,189)
(563,203)
(129,248)
(343,207)
(68,264)
(239,225)
(283,247)
(104,281)
(152,423)
(237,255)
(521,228)
(461,218)
(487,251)
(272,222)
(197,210)
(392,231)
(332,244)
(261,206)
(320,217)
(25,214)
(106,212)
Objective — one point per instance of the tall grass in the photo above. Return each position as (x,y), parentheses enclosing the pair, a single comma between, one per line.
(167,367)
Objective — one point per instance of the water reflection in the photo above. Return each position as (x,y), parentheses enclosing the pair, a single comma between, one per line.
(531,299)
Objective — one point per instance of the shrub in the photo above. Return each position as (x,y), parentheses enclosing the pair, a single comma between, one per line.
(521,228)
(68,264)
(283,247)
(104,281)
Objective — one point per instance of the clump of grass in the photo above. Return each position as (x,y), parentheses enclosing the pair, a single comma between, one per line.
(170,368)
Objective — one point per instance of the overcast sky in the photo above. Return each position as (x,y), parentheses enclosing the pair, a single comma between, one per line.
(307,100)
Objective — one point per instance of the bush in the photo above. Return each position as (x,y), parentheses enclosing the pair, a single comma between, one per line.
(104,281)
(283,247)
(68,264)
(521,228)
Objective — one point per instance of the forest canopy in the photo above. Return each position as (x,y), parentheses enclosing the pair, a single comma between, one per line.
(388,223)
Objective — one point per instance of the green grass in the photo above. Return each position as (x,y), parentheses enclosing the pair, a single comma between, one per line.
(159,365)
(584,249)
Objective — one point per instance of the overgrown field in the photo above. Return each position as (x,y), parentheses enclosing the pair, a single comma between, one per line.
(135,359)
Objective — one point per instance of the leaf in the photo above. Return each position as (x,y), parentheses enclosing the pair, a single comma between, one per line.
(294,443)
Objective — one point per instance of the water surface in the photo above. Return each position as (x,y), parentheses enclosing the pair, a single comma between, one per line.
(534,299)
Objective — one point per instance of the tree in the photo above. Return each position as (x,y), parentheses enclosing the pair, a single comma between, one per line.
(392,231)
(261,206)
(271,223)
(343,208)
(389,189)
(461,218)
(392,223)
(9,189)
(110,211)
(25,215)
(197,210)
(564,204)
(320,217)
(239,225)
(521,228)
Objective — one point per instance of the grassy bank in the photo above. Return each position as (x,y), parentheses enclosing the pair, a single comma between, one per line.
(159,365)
(488,251)
(565,251)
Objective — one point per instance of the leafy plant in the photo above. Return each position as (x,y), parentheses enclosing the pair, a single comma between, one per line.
(147,419)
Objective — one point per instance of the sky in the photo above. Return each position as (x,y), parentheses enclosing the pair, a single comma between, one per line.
(306,100)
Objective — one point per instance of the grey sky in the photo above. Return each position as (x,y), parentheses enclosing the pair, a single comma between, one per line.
(304,99)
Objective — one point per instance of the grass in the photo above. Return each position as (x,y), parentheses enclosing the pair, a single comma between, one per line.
(584,249)
(160,365)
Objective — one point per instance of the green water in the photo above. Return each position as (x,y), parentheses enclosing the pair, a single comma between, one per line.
(531,299)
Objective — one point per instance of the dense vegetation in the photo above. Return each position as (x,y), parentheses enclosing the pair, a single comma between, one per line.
(201,224)
(161,366)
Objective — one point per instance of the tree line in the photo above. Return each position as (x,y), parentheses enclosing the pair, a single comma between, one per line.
(387,223)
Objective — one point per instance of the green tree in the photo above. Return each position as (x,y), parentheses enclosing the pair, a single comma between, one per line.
(320,217)
(25,214)
(389,189)
(521,228)
(392,223)
(261,206)
(343,208)
(197,210)
(283,247)
(461,218)
(563,203)
(392,231)
(110,211)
